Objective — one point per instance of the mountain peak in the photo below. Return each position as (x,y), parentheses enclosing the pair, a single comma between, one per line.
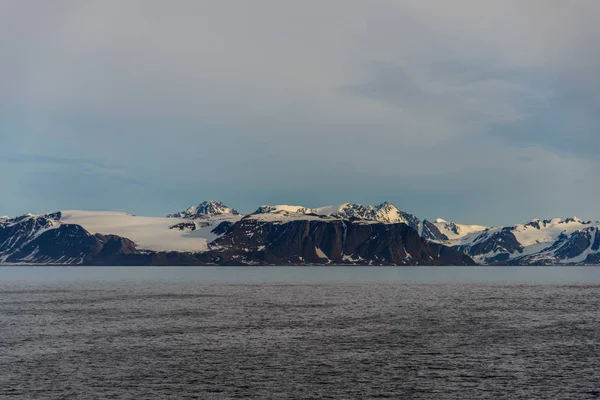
(209,208)
(283,208)
(442,230)
(385,212)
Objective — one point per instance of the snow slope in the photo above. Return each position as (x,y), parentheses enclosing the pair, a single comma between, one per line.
(282,209)
(544,231)
(551,241)
(285,213)
(454,231)
(149,233)
(385,212)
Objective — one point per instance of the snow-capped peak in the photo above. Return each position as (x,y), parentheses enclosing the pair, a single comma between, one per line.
(560,223)
(283,208)
(348,210)
(208,208)
(548,241)
(442,230)
(385,212)
(573,219)
(389,213)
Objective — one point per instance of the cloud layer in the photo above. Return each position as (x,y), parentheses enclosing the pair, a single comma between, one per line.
(481,112)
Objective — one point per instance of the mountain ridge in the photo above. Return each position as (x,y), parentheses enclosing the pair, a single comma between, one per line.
(215,240)
(202,229)
(210,208)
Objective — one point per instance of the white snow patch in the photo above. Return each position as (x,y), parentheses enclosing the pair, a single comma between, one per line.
(284,208)
(330,210)
(148,233)
(320,253)
(456,232)
(286,216)
(529,235)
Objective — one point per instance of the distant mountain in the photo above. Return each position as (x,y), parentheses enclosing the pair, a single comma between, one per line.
(206,208)
(284,210)
(539,242)
(313,239)
(441,230)
(213,234)
(386,213)
(43,239)
(274,235)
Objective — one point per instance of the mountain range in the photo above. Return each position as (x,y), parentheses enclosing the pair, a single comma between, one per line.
(212,233)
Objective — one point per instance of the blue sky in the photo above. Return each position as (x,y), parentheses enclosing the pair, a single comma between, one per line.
(478,112)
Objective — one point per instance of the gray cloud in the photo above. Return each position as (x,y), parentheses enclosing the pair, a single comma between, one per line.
(89,166)
(457,98)
(433,105)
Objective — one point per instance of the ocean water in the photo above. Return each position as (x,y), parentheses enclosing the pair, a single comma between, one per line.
(318,333)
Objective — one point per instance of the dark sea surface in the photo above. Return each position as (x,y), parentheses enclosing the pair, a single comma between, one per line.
(315,333)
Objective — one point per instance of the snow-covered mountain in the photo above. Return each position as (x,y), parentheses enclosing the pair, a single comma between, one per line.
(212,233)
(283,210)
(17,233)
(441,230)
(76,237)
(44,239)
(146,233)
(152,233)
(274,235)
(206,208)
(538,242)
(385,213)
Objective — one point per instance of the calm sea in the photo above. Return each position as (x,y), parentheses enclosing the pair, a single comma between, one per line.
(303,332)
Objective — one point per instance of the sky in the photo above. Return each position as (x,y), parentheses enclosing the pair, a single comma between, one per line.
(481,112)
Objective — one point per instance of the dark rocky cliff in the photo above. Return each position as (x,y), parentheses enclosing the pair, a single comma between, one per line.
(45,240)
(65,244)
(331,242)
